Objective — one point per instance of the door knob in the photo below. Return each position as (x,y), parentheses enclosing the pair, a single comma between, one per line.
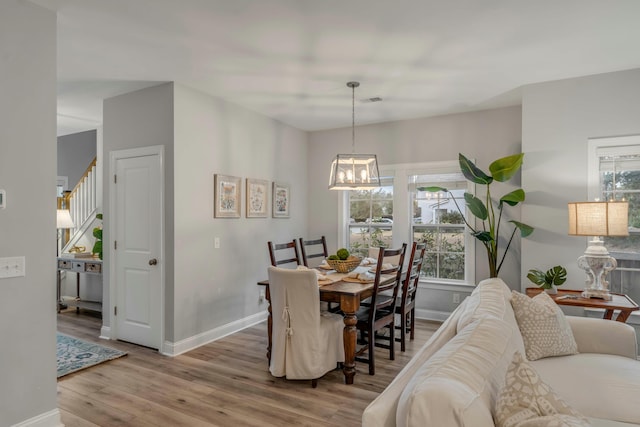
(153,261)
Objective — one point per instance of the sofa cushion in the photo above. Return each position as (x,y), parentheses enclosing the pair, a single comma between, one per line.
(598,385)
(492,297)
(544,329)
(526,401)
(458,384)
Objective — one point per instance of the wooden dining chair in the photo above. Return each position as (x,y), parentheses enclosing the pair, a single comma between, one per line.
(406,303)
(306,343)
(288,255)
(380,313)
(313,248)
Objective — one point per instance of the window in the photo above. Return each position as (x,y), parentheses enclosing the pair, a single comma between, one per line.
(397,213)
(437,221)
(371,218)
(614,174)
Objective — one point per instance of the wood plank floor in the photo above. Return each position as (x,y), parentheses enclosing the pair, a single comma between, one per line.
(224,383)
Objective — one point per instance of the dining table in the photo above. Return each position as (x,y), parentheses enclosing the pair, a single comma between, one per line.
(338,288)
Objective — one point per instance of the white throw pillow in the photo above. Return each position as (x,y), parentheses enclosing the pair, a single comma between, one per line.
(545,331)
(526,401)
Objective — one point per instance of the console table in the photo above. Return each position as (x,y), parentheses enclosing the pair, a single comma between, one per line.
(78,266)
(573,297)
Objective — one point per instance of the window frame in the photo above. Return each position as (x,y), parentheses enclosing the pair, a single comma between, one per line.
(402,216)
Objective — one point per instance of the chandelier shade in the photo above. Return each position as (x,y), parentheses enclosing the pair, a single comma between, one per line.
(354,171)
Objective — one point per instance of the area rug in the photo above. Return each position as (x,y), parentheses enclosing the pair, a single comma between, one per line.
(75,354)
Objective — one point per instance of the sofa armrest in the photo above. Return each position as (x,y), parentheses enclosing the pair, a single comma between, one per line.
(604,336)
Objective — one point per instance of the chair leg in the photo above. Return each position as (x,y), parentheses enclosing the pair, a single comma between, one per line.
(392,341)
(372,338)
(314,383)
(413,323)
(403,331)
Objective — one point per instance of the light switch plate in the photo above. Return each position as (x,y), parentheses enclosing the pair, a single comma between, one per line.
(12,267)
(3,199)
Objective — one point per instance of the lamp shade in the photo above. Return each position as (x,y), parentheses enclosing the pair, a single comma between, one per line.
(598,218)
(354,172)
(63,219)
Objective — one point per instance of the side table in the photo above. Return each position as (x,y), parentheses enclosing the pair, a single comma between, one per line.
(79,266)
(573,297)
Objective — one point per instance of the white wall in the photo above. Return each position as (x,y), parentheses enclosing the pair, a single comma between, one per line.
(28,225)
(558,118)
(484,135)
(75,152)
(214,287)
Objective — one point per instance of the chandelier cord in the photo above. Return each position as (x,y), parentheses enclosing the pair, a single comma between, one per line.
(353,119)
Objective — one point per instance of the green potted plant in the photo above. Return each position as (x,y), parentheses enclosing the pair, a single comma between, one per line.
(549,280)
(97,233)
(490,211)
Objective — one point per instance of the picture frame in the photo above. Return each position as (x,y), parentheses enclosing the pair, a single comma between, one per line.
(257,195)
(281,200)
(226,196)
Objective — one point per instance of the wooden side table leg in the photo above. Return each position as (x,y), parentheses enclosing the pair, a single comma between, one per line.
(608,314)
(623,316)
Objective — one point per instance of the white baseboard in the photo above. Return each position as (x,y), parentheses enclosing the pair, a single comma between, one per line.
(439,316)
(174,349)
(48,419)
(105,332)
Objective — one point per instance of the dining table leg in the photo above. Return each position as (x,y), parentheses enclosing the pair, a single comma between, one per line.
(349,305)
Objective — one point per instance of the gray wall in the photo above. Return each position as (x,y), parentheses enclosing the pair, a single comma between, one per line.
(75,152)
(140,119)
(558,118)
(214,287)
(28,225)
(484,135)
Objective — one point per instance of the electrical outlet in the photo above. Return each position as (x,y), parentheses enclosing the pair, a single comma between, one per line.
(262,296)
(456,298)
(216,243)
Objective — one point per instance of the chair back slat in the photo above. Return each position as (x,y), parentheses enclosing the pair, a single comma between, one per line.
(410,283)
(378,302)
(289,248)
(314,248)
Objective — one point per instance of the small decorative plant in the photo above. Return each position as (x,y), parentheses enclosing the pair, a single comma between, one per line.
(97,233)
(488,232)
(555,276)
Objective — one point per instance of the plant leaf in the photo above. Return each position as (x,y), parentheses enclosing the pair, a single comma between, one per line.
(432,189)
(97,233)
(525,229)
(99,216)
(556,275)
(503,169)
(475,205)
(538,277)
(513,198)
(483,236)
(472,172)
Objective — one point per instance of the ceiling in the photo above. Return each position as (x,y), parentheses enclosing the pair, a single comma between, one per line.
(290,59)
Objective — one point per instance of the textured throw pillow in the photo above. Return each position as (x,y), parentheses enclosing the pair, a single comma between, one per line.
(544,329)
(526,401)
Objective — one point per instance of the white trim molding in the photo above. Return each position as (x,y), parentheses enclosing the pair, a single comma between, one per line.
(426,314)
(187,344)
(47,419)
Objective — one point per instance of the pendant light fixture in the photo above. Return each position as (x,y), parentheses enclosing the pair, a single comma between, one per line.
(354,171)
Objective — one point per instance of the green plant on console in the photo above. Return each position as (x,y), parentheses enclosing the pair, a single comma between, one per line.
(488,232)
(97,233)
(555,276)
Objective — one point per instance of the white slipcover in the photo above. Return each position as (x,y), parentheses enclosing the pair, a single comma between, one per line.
(306,344)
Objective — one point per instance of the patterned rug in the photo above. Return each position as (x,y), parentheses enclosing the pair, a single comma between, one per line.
(75,354)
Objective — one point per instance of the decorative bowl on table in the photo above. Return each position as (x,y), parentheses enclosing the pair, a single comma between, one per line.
(344,266)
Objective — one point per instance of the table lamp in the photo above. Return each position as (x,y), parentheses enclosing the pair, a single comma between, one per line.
(598,219)
(63,220)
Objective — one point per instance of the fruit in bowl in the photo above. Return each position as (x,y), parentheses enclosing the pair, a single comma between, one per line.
(343,261)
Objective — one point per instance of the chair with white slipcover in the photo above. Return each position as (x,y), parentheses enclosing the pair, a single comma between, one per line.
(306,343)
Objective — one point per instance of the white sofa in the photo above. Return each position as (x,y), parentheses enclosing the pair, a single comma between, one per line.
(456,377)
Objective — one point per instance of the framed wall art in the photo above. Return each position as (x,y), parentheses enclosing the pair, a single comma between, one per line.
(257,193)
(226,196)
(281,200)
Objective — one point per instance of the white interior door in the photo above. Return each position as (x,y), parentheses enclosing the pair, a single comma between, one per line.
(138,249)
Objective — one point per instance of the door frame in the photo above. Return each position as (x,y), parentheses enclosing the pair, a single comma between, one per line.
(114,156)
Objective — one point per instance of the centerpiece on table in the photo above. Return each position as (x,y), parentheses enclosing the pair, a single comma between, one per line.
(549,280)
(343,261)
